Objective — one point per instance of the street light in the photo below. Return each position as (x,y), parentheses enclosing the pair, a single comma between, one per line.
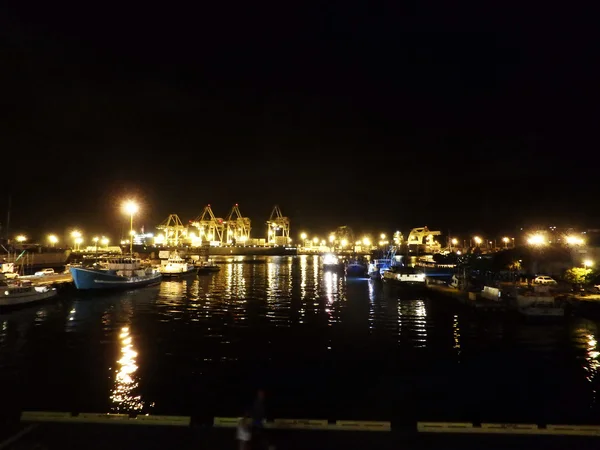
(20,239)
(96,239)
(477,240)
(78,242)
(104,241)
(303,236)
(588,263)
(382,236)
(536,239)
(52,239)
(130,207)
(505,240)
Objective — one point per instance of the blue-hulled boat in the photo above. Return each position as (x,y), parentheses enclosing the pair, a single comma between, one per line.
(356,269)
(115,273)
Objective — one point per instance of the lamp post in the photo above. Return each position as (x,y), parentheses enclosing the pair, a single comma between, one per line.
(130,207)
(96,239)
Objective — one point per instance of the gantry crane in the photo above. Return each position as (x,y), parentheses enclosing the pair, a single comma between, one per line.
(237,227)
(175,231)
(278,228)
(210,228)
(423,236)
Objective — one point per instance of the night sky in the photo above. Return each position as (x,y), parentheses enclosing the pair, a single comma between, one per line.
(380,118)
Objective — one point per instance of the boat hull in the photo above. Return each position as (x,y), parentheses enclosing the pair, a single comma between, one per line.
(16,299)
(356,270)
(191,271)
(208,270)
(88,279)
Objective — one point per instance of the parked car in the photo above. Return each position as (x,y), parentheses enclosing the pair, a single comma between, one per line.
(44,272)
(544,279)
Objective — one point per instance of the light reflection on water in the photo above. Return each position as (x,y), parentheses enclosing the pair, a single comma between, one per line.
(315,337)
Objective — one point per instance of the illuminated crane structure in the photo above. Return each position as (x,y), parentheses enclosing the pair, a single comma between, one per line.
(210,228)
(237,227)
(424,236)
(278,228)
(174,231)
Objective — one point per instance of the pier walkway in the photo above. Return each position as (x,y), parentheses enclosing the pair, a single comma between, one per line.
(57,278)
(99,436)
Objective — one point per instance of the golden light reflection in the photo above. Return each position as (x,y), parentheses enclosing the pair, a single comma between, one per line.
(456,334)
(331,280)
(592,358)
(303,270)
(123,395)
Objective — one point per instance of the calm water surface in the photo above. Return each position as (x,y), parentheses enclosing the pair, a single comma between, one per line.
(322,346)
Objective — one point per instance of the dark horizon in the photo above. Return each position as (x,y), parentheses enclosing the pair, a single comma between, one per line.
(379,120)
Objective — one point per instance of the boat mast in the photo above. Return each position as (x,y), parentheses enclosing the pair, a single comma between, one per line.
(8,218)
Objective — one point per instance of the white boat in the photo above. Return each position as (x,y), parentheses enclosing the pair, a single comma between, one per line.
(331,262)
(404,276)
(176,266)
(21,293)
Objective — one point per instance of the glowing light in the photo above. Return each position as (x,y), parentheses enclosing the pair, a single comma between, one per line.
(588,263)
(130,207)
(315,240)
(344,242)
(505,240)
(454,241)
(477,240)
(366,241)
(95,239)
(75,234)
(79,241)
(574,240)
(52,239)
(104,241)
(382,235)
(331,238)
(536,239)
(21,238)
(330,259)
(303,236)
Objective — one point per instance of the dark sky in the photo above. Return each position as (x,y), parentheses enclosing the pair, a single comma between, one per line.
(381,117)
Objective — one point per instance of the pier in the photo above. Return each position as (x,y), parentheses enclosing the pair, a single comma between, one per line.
(57,279)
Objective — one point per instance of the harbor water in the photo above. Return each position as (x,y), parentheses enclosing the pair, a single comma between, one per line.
(322,347)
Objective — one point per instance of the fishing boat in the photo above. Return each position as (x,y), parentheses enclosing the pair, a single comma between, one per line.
(115,273)
(404,276)
(23,292)
(207,267)
(377,267)
(356,269)
(176,266)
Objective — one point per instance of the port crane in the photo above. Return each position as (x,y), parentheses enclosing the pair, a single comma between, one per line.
(237,227)
(423,236)
(175,232)
(210,228)
(278,228)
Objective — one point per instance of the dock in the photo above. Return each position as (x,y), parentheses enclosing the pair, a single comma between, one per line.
(48,280)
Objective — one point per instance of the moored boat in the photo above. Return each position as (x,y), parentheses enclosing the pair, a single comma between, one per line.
(377,267)
(176,266)
(115,273)
(356,269)
(404,276)
(22,293)
(207,267)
